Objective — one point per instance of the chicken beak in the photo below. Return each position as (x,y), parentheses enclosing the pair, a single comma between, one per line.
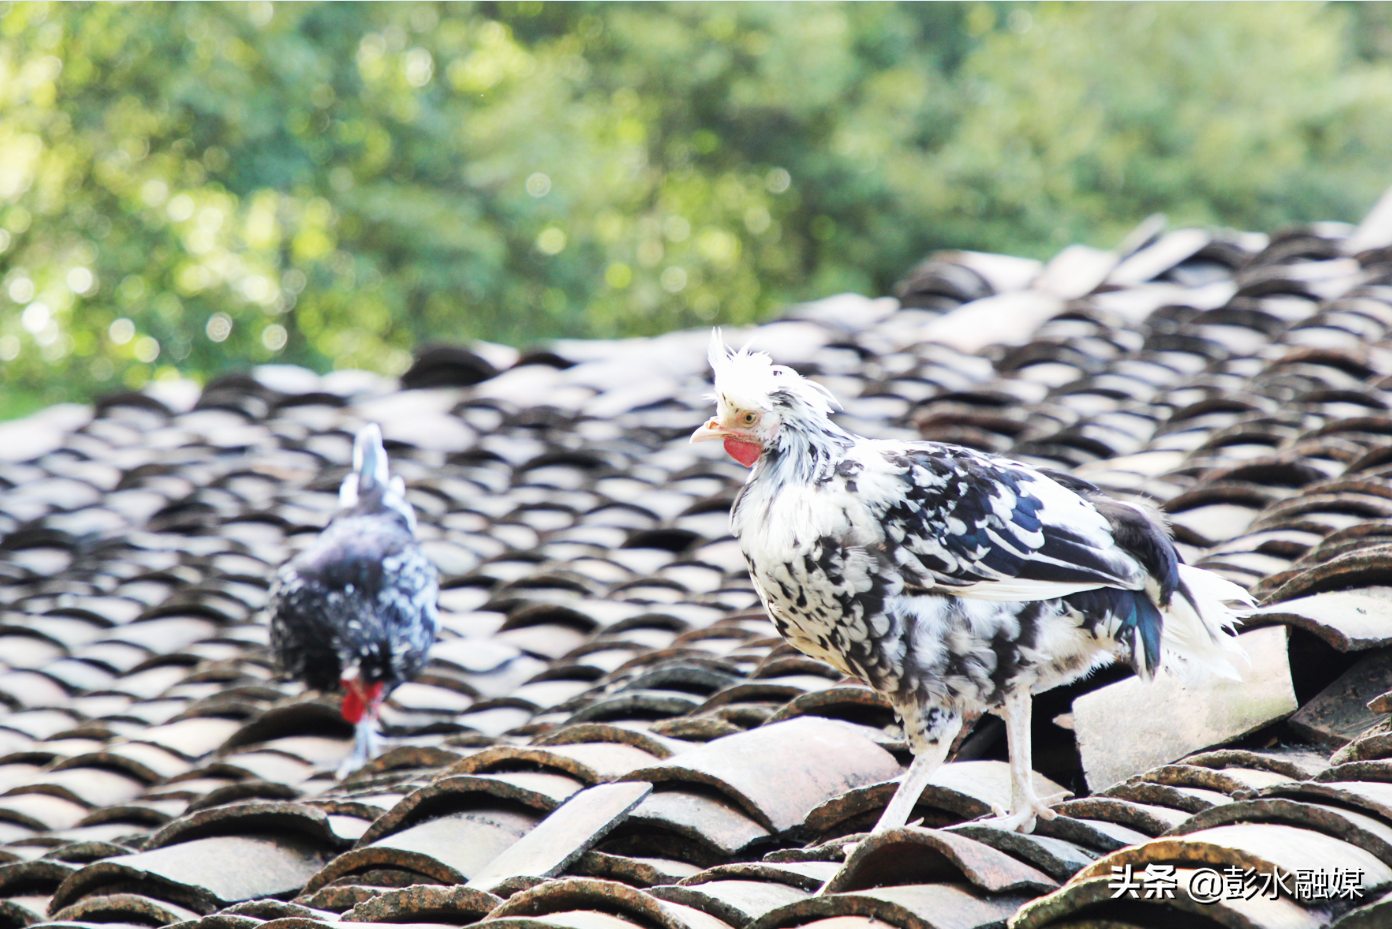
(711,429)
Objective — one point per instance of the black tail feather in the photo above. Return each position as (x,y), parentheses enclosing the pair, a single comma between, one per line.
(1146,539)
(1141,622)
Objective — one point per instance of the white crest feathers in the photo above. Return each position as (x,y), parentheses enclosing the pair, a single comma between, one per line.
(749,380)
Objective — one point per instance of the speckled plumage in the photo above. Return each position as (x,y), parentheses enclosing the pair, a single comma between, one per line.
(881,561)
(356,610)
(363,595)
(946,578)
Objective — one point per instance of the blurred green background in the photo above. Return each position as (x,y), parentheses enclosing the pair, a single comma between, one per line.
(188,188)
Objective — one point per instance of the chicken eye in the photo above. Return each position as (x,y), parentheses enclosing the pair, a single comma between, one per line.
(749,418)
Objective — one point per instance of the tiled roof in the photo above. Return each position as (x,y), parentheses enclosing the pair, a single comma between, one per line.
(610,734)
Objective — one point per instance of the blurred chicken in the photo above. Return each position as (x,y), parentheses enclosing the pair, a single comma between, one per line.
(356,610)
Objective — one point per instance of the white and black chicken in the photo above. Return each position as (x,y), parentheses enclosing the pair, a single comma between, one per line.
(950,580)
(356,610)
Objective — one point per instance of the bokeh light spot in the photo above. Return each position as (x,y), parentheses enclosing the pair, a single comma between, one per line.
(552,241)
(80,280)
(146,349)
(757,220)
(36,317)
(121,331)
(21,289)
(673,279)
(180,208)
(274,337)
(618,275)
(256,288)
(219,327)
(650,252)
(538,185)
(419,67)
(676,228)
(154,192)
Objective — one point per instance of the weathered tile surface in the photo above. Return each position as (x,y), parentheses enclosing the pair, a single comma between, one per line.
(1200,715)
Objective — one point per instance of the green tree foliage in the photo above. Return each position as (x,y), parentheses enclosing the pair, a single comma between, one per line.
(190,187)
(1090,116)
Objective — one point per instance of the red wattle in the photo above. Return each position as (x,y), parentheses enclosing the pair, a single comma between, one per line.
(742,450)
(358,699)
(352,706)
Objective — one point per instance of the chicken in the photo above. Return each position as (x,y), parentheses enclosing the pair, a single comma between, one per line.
(951,581)
(356,610)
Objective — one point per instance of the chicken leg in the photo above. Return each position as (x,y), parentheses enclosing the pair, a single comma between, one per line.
(1025,805)
(367,744)
(930,733)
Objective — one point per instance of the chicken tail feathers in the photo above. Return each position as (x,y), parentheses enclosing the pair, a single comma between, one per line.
(1139,622)
(369,485)
(1199,620)
(1188,626)
(369,465)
